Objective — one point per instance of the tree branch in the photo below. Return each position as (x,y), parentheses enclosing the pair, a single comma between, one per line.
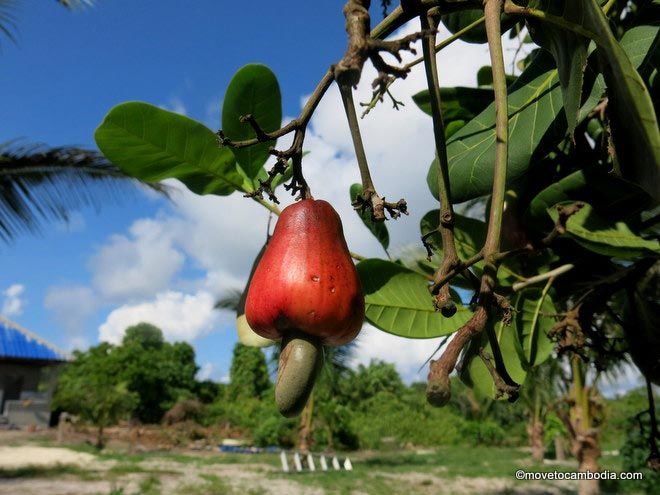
(369,200)
(382,87)
(442,300)
(438,391)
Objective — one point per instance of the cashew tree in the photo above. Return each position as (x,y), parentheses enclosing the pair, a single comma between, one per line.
(564,154)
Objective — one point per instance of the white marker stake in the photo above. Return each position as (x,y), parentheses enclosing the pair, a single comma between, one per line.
(296,461)
(335,463)
(324,463)
(348,466)
(310,462)
(285,463)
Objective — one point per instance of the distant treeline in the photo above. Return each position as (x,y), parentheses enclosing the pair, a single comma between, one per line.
(151,380)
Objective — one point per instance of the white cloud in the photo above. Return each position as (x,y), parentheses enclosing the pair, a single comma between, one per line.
(176,105)
(205,371)
(212,112)
(180,316)
(79,343)
(626,378)
(13,302)
(72,307)
(138,265)
(408,355)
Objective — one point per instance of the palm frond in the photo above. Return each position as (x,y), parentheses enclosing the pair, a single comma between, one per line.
(39,184)
(74,4)
(7,19)
(230,300)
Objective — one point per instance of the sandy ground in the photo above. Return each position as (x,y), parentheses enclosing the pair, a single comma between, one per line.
(178,478)
(20,457)
(173,476)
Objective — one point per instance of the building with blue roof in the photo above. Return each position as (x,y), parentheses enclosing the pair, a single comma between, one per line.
(28,370)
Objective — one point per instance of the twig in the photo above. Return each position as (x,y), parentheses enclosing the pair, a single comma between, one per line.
(564,213)
(438,390)
(440,346)
(512,9)
(543,277)
(442,300)
(369,200)
(502,388)
(393,21)
(380,90)
(362,47)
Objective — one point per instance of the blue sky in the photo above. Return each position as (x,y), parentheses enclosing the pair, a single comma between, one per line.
(68,69)
(167,262)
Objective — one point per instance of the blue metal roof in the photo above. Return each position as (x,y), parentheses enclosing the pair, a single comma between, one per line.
(18,343)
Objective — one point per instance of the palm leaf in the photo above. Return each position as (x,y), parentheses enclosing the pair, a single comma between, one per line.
(7,19)
(74,4)
(229,301)
(40,184)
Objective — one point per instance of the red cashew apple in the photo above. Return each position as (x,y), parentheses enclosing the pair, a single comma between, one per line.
(305,291)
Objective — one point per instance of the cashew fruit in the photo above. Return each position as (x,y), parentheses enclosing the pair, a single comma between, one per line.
(306,280)
(305,291)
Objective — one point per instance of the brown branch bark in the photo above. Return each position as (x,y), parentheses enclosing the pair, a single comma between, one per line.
(442,300)
(438,390)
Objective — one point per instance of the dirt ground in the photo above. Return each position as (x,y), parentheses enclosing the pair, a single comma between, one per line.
(20,457)
(35,465)
(173,476)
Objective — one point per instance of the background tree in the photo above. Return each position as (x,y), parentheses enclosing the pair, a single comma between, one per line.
(91,387)
(326,418)
(248,374)
(538,395)
(158,372)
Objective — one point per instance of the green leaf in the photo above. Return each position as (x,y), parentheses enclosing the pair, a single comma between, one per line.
(570,53)
(634,124)
(456,103)
(253,90)
(453,127)
(474,372)
(535,102)
(606,237)
(378,229)
(485,77)
(398,302)
(532,324)
(152,144)
(607,193)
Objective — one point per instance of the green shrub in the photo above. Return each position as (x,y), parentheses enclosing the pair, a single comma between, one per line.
(634,453)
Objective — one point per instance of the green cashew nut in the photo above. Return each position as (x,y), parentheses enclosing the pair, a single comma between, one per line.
(301,358)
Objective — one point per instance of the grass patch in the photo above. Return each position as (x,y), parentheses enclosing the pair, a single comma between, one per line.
(56,471)
(149,486)
(212,485)
(348,482)
(451,461)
